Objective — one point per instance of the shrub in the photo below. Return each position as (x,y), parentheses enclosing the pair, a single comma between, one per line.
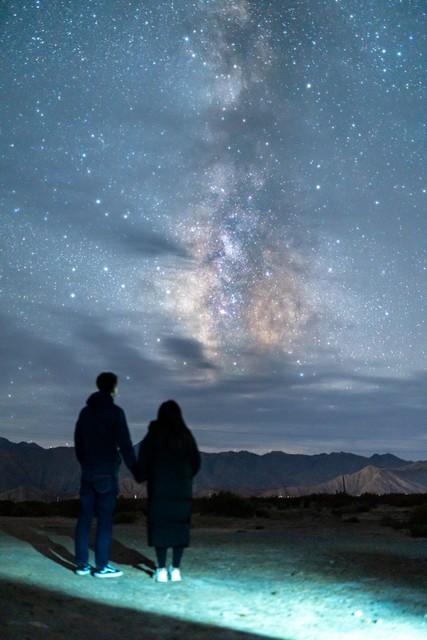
(351,520)
(66,508)
(263,513)
(418,522)
(419,515)
(30,509)
(125,517)
(227,504)
(393,523)
(6,507)
(418,530)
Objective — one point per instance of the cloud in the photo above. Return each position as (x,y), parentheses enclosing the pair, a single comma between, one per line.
(146,243)
(270,406)
(284,411)
(189,350)
(48,361)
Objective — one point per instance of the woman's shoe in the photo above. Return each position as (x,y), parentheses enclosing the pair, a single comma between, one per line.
(160,575)
(174,574)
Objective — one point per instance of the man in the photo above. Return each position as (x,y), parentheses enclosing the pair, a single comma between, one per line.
(101,432)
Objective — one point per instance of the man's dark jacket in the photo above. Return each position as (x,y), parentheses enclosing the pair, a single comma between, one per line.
(101,432)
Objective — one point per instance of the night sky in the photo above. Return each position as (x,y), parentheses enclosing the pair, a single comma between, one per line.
(224,202)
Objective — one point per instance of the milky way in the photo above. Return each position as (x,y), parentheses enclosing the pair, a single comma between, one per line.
(224,202)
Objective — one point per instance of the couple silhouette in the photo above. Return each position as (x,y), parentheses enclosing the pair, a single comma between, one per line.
(167,460)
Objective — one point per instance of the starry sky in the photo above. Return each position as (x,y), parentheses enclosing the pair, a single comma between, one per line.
(224,202)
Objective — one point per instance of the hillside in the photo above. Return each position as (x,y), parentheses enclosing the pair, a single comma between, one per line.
(370,479)
(28,471)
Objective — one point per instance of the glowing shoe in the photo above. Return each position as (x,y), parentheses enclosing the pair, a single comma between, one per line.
(107,572)
(160,575)
(82,570)
(174,574)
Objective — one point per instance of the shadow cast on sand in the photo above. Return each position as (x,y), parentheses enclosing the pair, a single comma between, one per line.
(43,544)
(48,615)
(129,556)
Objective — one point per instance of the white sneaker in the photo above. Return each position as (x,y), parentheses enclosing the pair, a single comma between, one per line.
(160,575)
(174,574)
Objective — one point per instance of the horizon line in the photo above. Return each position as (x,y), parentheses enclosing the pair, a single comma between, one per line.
(232,450)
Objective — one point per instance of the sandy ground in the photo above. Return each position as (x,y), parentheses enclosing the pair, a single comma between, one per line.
(304,577)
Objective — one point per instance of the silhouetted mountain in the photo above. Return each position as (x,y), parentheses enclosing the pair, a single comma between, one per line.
(414,472)
(370,479)
(28,470)
(7,444)
(252,474)
(19,494)
(54,472)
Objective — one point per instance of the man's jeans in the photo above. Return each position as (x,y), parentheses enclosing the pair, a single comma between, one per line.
(98,493)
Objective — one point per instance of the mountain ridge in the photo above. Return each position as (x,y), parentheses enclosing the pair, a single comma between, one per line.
(26,468)
(370,479)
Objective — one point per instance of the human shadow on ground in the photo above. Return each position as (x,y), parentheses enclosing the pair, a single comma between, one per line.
(122,554)
(47,614)
(42,542)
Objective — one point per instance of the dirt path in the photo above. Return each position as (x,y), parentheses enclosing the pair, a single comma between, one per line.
(300,580)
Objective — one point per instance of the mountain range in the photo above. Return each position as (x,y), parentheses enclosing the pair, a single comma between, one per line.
(30,472)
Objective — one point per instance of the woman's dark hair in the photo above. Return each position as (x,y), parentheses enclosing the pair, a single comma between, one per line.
(106,381)
(174,433)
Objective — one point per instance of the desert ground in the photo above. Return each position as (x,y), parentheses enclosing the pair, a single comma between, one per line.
(305,576)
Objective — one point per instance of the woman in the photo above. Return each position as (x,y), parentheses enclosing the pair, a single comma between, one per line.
(168,460)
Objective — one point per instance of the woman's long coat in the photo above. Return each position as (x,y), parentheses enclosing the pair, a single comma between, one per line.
(169,477)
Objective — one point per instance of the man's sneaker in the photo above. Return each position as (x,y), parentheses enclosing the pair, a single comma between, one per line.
(82,570)
(174,574)
(160,575)
(107,572)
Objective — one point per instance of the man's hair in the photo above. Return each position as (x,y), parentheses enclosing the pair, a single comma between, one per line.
(106,381)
